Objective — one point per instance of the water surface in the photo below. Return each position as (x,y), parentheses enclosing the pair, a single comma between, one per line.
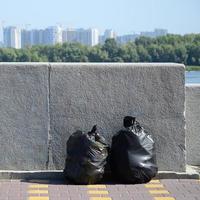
(192,77)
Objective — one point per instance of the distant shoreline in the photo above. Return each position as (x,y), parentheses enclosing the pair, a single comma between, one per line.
(192,68)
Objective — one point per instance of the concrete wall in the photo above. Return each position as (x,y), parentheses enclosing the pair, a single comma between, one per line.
(193,124)
(23,116)
(42,104)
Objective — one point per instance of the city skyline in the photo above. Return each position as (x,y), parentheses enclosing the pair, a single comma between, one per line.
(19,38)
(123,16)
(101,31)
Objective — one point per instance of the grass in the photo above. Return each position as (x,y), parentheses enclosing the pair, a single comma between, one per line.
(192,68)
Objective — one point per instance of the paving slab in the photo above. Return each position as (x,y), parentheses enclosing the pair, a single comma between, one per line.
(177,189)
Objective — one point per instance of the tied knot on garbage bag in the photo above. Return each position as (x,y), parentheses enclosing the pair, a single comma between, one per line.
(86,157)
(132,158)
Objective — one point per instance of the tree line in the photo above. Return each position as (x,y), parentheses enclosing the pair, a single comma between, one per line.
(170,48)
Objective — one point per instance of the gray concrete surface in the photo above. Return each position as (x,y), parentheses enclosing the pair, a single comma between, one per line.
(23,116)
(193,123)
(43,104)
(190,173)
(82,95)
(58,190)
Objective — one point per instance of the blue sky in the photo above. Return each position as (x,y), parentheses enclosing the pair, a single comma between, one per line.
(124,16)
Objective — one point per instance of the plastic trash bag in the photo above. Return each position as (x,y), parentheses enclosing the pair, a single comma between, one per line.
(86,157)
(132,157)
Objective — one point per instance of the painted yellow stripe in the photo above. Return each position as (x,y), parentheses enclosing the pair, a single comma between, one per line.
(96,186)
(164,198)
(38,191)
(154,181)
(154,186)
(97,192)
(38,186)
(38,198)
(100,198)
(158,192)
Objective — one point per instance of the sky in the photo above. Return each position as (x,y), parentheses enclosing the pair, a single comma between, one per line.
(123,16)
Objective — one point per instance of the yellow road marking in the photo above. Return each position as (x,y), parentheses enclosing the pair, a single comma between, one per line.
(164,198)
(154,181)
(154,186)
(38,186)
(97,192)
(100,198)
(96,186)
(158,192)
(38,191)
(38,198)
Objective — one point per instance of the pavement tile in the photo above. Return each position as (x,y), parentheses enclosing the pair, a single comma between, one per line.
(100,192)
(154,186)
(176,189)
(38,198)
(164,198)
(158,192)
(96,186)
(100,198)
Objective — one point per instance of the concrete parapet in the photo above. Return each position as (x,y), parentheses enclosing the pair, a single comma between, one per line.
(82,95)
(193,123)
(23,116)
(42,104)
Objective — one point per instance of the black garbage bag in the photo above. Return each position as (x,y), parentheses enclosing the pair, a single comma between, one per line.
(86,157)
(132,156)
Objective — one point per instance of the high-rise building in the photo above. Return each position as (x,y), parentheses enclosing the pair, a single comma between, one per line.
(101,39)
(108,34)
(88,37)
(1,44)
(123,39)
(37,37)
(12,37)
(160,32)
(16,38)
(70,35)
(94,34)
(53,35)
(64,36)
(155,33)
(25,38)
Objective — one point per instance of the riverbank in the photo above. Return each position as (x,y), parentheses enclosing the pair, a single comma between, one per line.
(192,68)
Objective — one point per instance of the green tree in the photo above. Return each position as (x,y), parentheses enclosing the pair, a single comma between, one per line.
(23,55)
(8,55)
(155,51)
(193,54)
(74,52)
(144,41)
(129,52)
(112,49)
(180,53)
(169,48)
(167,53)
(97,54)
(143,54)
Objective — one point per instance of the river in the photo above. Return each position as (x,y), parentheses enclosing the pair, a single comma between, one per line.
(192,77)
